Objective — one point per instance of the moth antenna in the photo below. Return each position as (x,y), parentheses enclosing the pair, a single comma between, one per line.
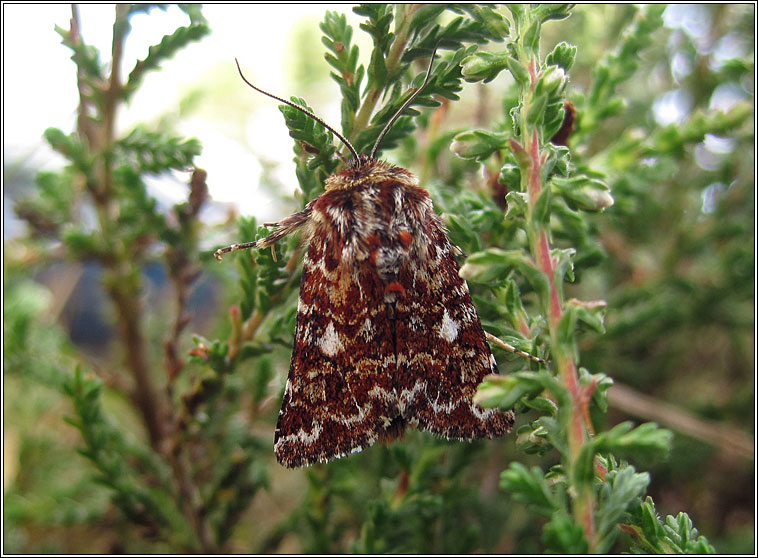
(304,111)
(405,104)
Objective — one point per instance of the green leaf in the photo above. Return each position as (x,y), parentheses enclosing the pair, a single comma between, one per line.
(496,25)
(504,391)
(377,70)
(542,405)
(619,66)
(651,524)
(426,13)
(520,155)
(518,11)
(496,264)
(674,536)
(647,439)
(86,57)
(81,244)
(621,489)
(563,536)
(195,13)
(445,81)
(533,438)
(531,37)
(583,192)
(583,470)
(530,487)
(312,137)
(157,54)
(541,212)
(546,12)
(343,57)
(558,161)
(564,265)
(71,147)
(553,119)
(563,55)
(380,17)
(562,397)
(483,66)
(510,175)
(156,152)
(589,313)
(518,205)
(518,71)
(535,114)
(599,383)
(680,534)
(478,144)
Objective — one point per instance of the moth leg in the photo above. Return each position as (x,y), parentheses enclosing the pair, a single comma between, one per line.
(283,228)
(511,349)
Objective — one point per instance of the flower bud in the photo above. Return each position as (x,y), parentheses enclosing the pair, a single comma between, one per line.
(552,80)
(483,66)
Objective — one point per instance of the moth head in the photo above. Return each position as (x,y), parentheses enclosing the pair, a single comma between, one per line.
(357,161)
(367,170)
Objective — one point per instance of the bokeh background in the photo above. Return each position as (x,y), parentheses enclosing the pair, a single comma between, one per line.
(678,271)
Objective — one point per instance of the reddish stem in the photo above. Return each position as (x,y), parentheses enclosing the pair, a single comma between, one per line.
(535,183)
(565,362)
(532,73)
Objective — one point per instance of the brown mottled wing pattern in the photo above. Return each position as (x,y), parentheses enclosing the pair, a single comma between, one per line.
(442,353)
(339,395)
(386,331)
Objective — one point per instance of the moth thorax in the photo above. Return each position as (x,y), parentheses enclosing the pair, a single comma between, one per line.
(368,171)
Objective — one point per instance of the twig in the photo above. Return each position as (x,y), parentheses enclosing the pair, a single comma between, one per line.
(640,405)
(136,356)
(62,289)
(124,293)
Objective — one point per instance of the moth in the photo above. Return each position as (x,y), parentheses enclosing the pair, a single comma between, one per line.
(387,335)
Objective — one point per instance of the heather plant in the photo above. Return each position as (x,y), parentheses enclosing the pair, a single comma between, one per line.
(180,484)
(558,190)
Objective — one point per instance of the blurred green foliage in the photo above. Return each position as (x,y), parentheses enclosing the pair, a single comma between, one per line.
(182,462)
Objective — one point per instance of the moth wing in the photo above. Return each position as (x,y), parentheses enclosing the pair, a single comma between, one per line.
(339,397)
(442,353)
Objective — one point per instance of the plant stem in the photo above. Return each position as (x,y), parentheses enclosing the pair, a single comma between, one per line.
(144,396)
(730,440)
(582,495)
(123,282)
(190,500)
